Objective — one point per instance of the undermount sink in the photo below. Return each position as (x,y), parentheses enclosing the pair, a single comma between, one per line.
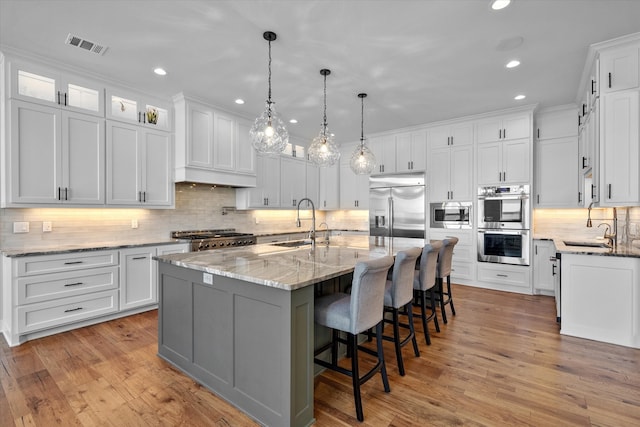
(586,244)
(292,244)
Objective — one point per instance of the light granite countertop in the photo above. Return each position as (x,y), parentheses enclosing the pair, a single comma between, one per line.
(88,247)
(621,250)
(291,268)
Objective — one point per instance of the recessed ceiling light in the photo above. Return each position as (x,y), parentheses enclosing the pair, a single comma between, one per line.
(499,4)
(239,101)
(160,71)
(294,121)
(513,63)
(519,97)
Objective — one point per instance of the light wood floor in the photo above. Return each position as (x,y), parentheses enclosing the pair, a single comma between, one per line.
(499,362)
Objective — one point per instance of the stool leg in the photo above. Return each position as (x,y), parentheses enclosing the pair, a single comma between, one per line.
(396,341)
(441,293)
(334,346)
(355,376)
(412,330)
(453,309)
(423,310)
(383,367)
(434,309)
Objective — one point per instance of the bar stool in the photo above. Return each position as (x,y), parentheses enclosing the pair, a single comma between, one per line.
(444,270)
(423,283)
(398,293)
(354,314)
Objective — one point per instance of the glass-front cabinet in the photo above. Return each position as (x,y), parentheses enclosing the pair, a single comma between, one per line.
(42,85)
(133,108)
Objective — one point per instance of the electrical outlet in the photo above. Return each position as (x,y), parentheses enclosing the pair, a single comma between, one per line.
(257,220)
(134,223)
(21,227)
(47,226)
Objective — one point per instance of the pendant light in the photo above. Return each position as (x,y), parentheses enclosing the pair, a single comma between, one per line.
(268,134)
(362,162)
(323,151)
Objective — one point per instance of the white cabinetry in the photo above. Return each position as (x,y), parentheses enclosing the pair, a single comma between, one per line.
(313,184)
(464,253)
(139,109)
(139,166)
(384,149)
(411,151)
(504,162)
(451,135)
(513,278)
(56,157)
(266,194)
(354,189)
(556,153)
(620,179)
(619,69)
(329,189)
(503,128)
(450,165)
(546,274)
(293,181)
(212,146)
(47,86)
(601,298)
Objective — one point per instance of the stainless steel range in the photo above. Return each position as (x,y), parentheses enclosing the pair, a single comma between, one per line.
(202,240)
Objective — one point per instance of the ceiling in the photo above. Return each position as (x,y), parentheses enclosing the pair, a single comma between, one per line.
(420,61)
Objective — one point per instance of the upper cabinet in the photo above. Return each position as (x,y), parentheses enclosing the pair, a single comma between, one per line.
(503,128)
(212,146)
(451,135)
(47,86)
(451,162)
(129,107)
(619,69)
(384,149)
(56,157)
(329,187)
(556,153)
(411,151)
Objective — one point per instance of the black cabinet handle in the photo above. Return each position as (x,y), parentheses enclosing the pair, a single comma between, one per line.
(504,133)
(584,160)
(58,97)
(65,99)
(584,110)
(73,309)
(74,284)
(579,121)
(538,200)
(73,262)
(593,86)
(59,193)
(538,133)
(609,80)
(66,193)
(325,203)
(139,257)
(609,190)
(553,270)
(593,187)
(579,197)
(502,275)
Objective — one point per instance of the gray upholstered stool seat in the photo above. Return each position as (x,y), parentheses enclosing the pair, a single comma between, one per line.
(354,314)
(423,284)
(398,294)
(444,271)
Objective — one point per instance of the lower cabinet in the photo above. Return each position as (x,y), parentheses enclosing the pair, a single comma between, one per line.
(464,253)
(47,294)
(514,278)
(601,298)
(545,267)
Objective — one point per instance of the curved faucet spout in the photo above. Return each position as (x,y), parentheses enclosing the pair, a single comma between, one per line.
(312,233)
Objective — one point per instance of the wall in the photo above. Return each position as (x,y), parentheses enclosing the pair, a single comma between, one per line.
(571,223)
(198,206)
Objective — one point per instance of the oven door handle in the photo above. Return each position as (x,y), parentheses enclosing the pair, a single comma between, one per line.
(505,197)
(503,231)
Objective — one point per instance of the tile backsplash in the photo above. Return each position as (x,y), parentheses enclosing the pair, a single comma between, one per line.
(198,206)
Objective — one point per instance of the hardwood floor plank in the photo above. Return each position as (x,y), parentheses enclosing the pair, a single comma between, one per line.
(500,361)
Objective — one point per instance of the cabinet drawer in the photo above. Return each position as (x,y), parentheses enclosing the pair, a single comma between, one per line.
(464,236)
(50,314)
(28,266)
(500,274)
(461,270)
(48,287)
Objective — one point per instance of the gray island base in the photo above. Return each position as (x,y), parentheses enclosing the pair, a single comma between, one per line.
(240,321)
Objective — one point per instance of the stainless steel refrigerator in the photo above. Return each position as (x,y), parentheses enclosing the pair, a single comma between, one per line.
(397,205)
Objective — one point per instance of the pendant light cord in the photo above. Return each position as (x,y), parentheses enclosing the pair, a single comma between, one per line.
(324,124)
(362,122)
(269,102)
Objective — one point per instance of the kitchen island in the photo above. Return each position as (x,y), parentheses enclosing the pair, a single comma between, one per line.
(240,321)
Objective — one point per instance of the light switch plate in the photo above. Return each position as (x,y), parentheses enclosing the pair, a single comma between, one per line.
(46,226)
(21,227)
(207,278)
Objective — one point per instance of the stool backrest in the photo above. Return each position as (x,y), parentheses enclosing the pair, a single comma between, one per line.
(367,293)
(444,259)
(428,264)
(402,276)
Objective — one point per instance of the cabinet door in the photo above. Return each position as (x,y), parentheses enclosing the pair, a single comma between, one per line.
(157,173)
(544,266)
(556,124)
(124,176)
(489,163)
(489,130)
(35,153)
(313,184)
(439,137)
(83,148)
(462,134)
(515,161)
(293,183)
(619,69)
(404,155)
(418,151)
(271,176)
(246,155)
(329,190)
(621,155)
(516,127)
(557,173)
(439,170)
(137,278)
(384,148)
(224,142)
(461,170)
(348,188)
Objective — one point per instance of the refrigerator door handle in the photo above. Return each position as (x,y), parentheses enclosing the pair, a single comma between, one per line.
(391,216)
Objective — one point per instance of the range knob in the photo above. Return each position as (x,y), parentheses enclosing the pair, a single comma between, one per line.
(228,243)
(213,245)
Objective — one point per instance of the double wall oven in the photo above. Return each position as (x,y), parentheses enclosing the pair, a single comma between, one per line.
(504,224)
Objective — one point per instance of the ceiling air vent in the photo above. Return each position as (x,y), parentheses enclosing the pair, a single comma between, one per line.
(85,44)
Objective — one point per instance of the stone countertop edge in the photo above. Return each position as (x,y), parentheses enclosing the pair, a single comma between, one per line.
(302,230)
(619,251)
(15,253)
(290,269)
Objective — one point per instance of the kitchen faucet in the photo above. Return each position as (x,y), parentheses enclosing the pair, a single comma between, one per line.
(589,223)
(326,232)
(312,233)
(612,235)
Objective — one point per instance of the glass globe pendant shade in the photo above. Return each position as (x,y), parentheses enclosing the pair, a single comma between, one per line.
(362,161)
(323,151)
(268,134)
